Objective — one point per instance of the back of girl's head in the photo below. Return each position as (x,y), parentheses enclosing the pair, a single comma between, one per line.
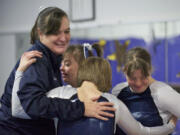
(96,70)
(138,58)
(77,52)
(48,22)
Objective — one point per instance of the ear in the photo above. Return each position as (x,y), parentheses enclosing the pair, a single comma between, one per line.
(39,32)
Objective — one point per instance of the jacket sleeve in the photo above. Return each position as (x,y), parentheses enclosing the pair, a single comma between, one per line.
(32,91)
(118,88)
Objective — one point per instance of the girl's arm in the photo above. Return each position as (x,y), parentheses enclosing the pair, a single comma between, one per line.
(169,100)
(26,60)
(92,109)
(132,127)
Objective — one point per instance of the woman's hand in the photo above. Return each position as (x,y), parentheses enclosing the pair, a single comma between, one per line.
(27,59)
(97,109)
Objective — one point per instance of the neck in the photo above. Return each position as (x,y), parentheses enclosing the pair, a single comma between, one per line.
(74,85)
(151,80)
(87,91)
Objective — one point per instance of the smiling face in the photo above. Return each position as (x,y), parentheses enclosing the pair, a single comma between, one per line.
(59,41)
(137,81)
(69,70)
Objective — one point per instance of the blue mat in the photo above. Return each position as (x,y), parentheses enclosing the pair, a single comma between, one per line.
(177,129)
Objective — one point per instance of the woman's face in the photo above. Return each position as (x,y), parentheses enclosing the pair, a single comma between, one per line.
(69,69)
(137,82)
(58,42)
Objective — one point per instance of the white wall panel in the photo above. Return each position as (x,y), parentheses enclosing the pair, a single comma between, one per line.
(7,58)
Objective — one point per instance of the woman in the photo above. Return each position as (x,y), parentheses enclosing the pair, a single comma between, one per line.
(50,35)
(93,78)
(151,102)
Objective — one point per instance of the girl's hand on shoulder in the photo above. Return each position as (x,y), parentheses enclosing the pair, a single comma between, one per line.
(27,59)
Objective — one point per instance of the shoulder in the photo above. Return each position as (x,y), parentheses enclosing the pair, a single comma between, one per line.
(109,97)
(68,91)
(43,64)
(41,48)
(159,87)
(113,99)
(121,108)
(166,97)
(62,92)
(161,91)
(118,88)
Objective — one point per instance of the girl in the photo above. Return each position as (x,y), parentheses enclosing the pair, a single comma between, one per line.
(151,102)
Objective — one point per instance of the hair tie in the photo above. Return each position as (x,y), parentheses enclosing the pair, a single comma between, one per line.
(86,47)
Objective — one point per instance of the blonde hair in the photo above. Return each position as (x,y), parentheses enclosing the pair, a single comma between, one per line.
(98,71)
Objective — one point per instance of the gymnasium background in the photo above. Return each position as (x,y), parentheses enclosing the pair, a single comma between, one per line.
(165,56)
(152,24)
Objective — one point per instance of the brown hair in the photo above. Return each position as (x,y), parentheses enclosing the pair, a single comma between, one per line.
(138,58)
(77,52)
(48,22)
(96,70)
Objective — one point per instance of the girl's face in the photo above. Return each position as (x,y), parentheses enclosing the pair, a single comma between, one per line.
(137,82)
(69,69)
(58,42)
